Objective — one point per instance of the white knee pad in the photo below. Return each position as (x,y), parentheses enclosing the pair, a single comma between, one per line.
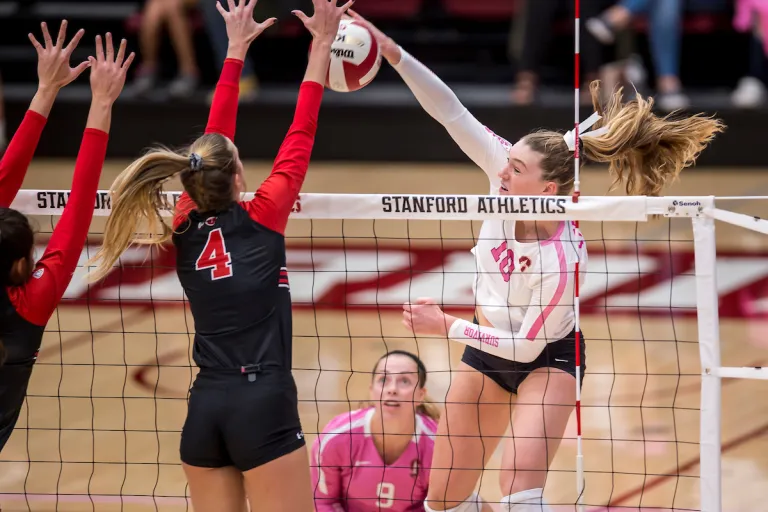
(472,504)
(531,500)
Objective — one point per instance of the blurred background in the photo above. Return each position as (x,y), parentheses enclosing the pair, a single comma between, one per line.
(510,62)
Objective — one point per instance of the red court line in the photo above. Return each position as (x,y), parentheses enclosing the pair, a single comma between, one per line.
(140,375)
(726,447)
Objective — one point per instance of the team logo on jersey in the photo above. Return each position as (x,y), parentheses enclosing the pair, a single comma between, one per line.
(524,262)
(38,273)
(283,281)
(415,467)
(210,222)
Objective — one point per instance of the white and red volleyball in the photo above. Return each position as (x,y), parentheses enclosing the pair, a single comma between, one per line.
(355,58)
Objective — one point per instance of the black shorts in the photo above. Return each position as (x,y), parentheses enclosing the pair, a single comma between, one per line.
(509,375)
(232,421)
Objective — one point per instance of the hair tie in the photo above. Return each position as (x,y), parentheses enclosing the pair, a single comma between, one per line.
(195,162)
(570,136)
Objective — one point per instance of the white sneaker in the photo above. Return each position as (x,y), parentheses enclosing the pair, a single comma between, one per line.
(600,30)
(672,101)
(750,93)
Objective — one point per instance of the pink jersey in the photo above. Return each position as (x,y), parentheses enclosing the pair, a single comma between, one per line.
(349,475)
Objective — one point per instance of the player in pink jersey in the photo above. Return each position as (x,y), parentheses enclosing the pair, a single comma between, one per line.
(522,342)
(378,457)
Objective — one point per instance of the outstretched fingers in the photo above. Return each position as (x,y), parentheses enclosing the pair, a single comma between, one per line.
(99,49)
(110,48)
(62,34)
(121,52)
(267,23)
(299,14)
(46,35)
(346,6)
(74,42)
(128,62)
(38,47)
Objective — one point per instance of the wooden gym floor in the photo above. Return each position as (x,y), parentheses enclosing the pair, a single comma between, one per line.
(110,404)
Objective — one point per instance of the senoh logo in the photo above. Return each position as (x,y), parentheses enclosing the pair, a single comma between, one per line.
(685,203)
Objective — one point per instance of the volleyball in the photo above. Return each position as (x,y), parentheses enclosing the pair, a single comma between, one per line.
(355,58)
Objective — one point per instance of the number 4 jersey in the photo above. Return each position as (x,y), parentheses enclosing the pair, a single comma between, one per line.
(233,271)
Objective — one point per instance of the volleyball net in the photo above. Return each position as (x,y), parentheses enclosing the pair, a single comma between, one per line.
(103,415)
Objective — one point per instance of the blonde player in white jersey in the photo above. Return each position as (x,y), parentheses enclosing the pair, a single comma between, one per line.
(522,339)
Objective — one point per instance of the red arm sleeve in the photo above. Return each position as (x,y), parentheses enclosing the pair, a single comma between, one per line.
(38,298)
(276,196)
(222,119)
(18,156)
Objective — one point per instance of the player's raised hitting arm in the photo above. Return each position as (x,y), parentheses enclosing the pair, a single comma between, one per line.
(52,274)
(278,193)
(487,150)
(53,73)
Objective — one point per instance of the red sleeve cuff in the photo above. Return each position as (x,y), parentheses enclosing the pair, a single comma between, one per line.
(231,71)
(36,117)
(96,133)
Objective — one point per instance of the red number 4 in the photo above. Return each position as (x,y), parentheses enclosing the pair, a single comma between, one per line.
(507,263)
(215,256)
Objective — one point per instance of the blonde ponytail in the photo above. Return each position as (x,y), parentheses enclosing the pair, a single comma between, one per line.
(646,151)
(429,408)
(643,150)
(136,202)
(137,195)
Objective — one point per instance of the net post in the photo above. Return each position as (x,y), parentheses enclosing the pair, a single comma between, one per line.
(576,194)
(709,352)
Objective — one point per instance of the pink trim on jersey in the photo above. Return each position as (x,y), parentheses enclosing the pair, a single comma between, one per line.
(539,323)
(556,237)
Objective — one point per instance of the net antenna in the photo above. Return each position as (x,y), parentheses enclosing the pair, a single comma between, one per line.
(576,193)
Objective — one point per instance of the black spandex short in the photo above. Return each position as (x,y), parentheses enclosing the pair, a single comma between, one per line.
(232,421)
(509,375)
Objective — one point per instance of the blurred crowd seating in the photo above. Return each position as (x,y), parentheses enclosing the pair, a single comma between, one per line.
(462,40)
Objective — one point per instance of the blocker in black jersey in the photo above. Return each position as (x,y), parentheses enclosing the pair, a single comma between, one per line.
(233,272)
(243,405)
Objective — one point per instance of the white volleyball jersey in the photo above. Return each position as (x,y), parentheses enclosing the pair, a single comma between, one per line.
(526,289)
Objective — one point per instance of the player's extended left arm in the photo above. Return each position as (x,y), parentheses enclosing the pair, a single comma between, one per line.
(551,302)
(276,196)
(54,271)
(222,119)
(18,156)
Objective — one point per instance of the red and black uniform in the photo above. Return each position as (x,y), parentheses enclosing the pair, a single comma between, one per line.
(26,309)
(243,406)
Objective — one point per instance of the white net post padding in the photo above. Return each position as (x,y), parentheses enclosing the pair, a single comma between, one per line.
(709,351)
(701,210)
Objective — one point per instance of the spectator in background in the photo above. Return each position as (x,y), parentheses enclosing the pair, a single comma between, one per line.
(217,33)
(538,19)
(173,13)
(666,29)
(752,16)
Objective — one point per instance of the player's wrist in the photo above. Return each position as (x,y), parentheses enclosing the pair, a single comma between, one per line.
(237,50)
(391,51)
